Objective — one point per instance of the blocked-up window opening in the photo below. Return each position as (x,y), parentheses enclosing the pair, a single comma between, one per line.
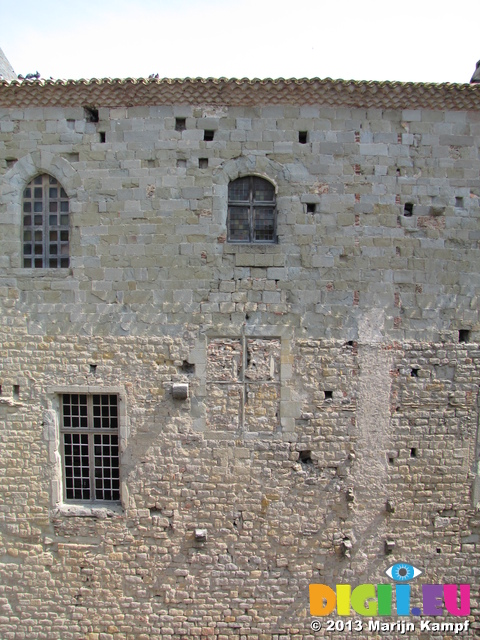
(90,447)
(46,224)
(252,215)
(243,384)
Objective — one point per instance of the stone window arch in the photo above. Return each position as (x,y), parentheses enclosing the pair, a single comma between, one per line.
(252,211)
(45,224)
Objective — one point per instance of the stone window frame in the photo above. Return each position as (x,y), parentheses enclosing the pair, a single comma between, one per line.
(12,185)
(290,407)
(45,233)
(52,436)
(248,165)
(254,208)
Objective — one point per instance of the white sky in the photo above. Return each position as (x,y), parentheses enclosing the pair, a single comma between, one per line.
(406,40)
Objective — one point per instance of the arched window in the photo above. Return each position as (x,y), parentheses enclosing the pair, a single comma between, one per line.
(46,224)
(252,215)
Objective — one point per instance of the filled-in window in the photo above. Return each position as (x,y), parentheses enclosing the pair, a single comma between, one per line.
(46,224)
(89,431)
(252,215)
(243,384)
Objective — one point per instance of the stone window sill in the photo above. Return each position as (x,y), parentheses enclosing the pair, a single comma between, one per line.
(87,511)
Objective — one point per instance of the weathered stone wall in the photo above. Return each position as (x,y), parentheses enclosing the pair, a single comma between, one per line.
(331,406)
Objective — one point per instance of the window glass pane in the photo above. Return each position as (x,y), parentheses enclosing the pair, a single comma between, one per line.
(264,224)
(263,191)
(239,224)
(239,190)
(43,194)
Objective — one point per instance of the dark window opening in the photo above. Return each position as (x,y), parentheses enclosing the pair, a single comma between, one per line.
(180,124)
(464,335)
(203,163)
(414,372)
(311,207)
(208,135)
(252,215)
(303,137)
(103,136)
(328,395)
(459,203)
(16,391)
(413,452)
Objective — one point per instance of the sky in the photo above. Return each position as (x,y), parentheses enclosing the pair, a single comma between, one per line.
(405,40)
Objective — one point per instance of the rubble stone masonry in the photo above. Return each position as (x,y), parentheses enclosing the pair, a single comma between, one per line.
(304,411)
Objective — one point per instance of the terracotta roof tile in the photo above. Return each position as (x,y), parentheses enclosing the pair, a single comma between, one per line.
(238,92)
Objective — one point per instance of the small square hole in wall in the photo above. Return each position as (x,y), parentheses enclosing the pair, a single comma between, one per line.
(103,136)
(180,124)
(91,114)
(303,137)
(305,457)
(464,335)
(311,207)
(203,163)
(459,203)
(414,372)
(408,209)
(181,163)
(208,135)
(413,452)
(328,395)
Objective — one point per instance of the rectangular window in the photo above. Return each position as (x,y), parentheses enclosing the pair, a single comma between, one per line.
(90,445)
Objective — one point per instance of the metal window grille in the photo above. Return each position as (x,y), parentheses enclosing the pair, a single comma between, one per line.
(46,224)
(89,432)
(252,215)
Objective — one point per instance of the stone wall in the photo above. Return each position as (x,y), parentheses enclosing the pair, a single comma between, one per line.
(330,427)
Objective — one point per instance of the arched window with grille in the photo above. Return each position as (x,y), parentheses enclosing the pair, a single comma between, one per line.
(252,213)
(46,224)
